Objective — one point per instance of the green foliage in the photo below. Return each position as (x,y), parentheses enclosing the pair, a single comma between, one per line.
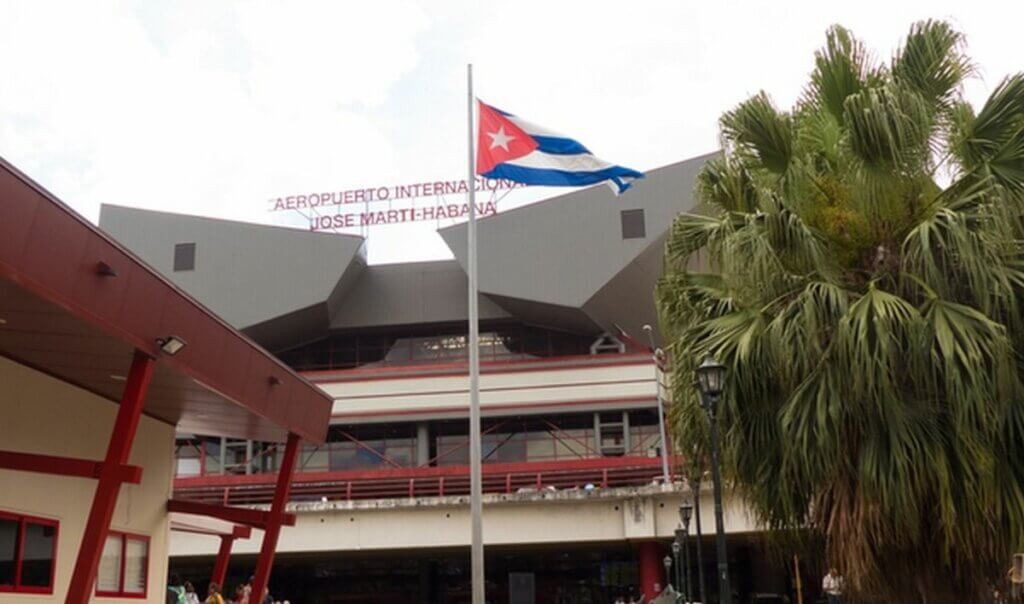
(868,315)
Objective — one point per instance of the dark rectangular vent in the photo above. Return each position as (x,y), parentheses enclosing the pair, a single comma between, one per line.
(184,257)
(633,224)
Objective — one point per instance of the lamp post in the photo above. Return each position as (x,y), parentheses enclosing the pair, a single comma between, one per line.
(685,512)
(668,571)
(700,558)
(710,383)
(676,548)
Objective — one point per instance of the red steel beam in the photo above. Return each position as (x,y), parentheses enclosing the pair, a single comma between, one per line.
(245,516)
(64,466)
(220,567)
(109,484)
(273,530)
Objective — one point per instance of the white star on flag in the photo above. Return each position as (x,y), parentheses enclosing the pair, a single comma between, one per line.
(500,139)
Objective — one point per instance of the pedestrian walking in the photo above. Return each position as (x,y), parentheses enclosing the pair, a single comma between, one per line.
(832,585)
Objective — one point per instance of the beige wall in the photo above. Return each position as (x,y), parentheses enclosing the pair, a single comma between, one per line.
(39,414)
(541,387)
(568,517)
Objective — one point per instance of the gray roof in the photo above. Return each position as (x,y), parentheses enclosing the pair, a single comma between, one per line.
(560,263)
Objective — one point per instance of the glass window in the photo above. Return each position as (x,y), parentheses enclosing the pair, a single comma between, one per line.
(27,549)
(108,580)
(9,528)
(37,554)
(136,553)
(123,566)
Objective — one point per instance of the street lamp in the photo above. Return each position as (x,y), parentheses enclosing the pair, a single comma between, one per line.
(668,569)
(676,548)
(710,383)
(685,513)
(695,487)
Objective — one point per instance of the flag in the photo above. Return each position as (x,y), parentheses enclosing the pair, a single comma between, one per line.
(513,149)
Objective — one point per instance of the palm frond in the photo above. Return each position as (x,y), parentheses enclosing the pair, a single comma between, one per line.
(841,69)
(761,132)
(932,62)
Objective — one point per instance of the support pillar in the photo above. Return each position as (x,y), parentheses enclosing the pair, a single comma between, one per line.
(220,568)
(273,529)
(109,481)
(652,581)
(422,444)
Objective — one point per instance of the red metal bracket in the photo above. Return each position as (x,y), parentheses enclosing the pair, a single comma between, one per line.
(245,516)
(64,466)
(109,480)
(269,547)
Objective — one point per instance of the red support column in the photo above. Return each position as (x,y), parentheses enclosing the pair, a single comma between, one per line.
(651,570)
(109,484)
(273,529)
(220,568)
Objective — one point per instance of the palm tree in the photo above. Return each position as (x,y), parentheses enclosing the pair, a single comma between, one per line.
(858,265)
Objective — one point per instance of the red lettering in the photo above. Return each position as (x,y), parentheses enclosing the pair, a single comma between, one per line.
(383,192)
(290,202)
(278,205)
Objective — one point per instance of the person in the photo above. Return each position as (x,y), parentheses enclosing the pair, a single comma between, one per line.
(191,597)
(832,585)
(175,590)
(213,595)
(242,594)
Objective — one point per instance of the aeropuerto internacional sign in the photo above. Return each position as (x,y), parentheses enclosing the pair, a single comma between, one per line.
(328,209)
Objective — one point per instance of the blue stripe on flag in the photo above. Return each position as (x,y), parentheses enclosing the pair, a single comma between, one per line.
(564,178)
(559,146)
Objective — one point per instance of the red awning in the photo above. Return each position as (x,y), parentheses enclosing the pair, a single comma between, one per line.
(75,304)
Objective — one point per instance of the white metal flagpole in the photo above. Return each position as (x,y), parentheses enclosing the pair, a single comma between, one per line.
(475,481)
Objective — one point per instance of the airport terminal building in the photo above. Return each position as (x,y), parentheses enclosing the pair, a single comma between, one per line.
(576,506)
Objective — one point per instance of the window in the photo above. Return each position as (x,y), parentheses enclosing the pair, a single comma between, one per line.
(28,549)
(184,257)
(124,565)
(633,224)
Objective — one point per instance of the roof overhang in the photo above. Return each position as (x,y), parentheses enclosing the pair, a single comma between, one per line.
(75,304)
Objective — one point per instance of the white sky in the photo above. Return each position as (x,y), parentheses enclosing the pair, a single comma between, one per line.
(212,108)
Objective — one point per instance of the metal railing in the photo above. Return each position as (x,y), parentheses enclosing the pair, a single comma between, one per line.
(504,478)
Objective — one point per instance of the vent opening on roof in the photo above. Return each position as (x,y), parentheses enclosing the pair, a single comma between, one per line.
(184,257)
(633,224)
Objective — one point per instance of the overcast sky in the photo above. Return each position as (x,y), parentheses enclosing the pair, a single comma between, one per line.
(213,108)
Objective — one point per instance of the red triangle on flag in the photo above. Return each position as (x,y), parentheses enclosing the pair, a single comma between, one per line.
(499,140)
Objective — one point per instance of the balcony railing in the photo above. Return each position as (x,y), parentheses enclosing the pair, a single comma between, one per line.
(501,478)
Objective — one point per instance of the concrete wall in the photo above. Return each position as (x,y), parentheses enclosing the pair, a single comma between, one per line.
(537,518)
(544,390)
(39,414)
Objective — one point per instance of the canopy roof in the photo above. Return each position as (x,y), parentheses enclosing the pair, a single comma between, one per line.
(75,304)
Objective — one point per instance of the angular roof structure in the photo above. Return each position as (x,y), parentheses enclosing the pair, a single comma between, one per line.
(568,263)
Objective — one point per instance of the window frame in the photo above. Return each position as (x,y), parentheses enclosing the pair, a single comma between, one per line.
(125,537)
(19,553)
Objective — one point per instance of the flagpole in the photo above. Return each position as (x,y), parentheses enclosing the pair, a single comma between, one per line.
(475,480)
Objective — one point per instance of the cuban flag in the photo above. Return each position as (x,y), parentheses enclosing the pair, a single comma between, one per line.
(514,149)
